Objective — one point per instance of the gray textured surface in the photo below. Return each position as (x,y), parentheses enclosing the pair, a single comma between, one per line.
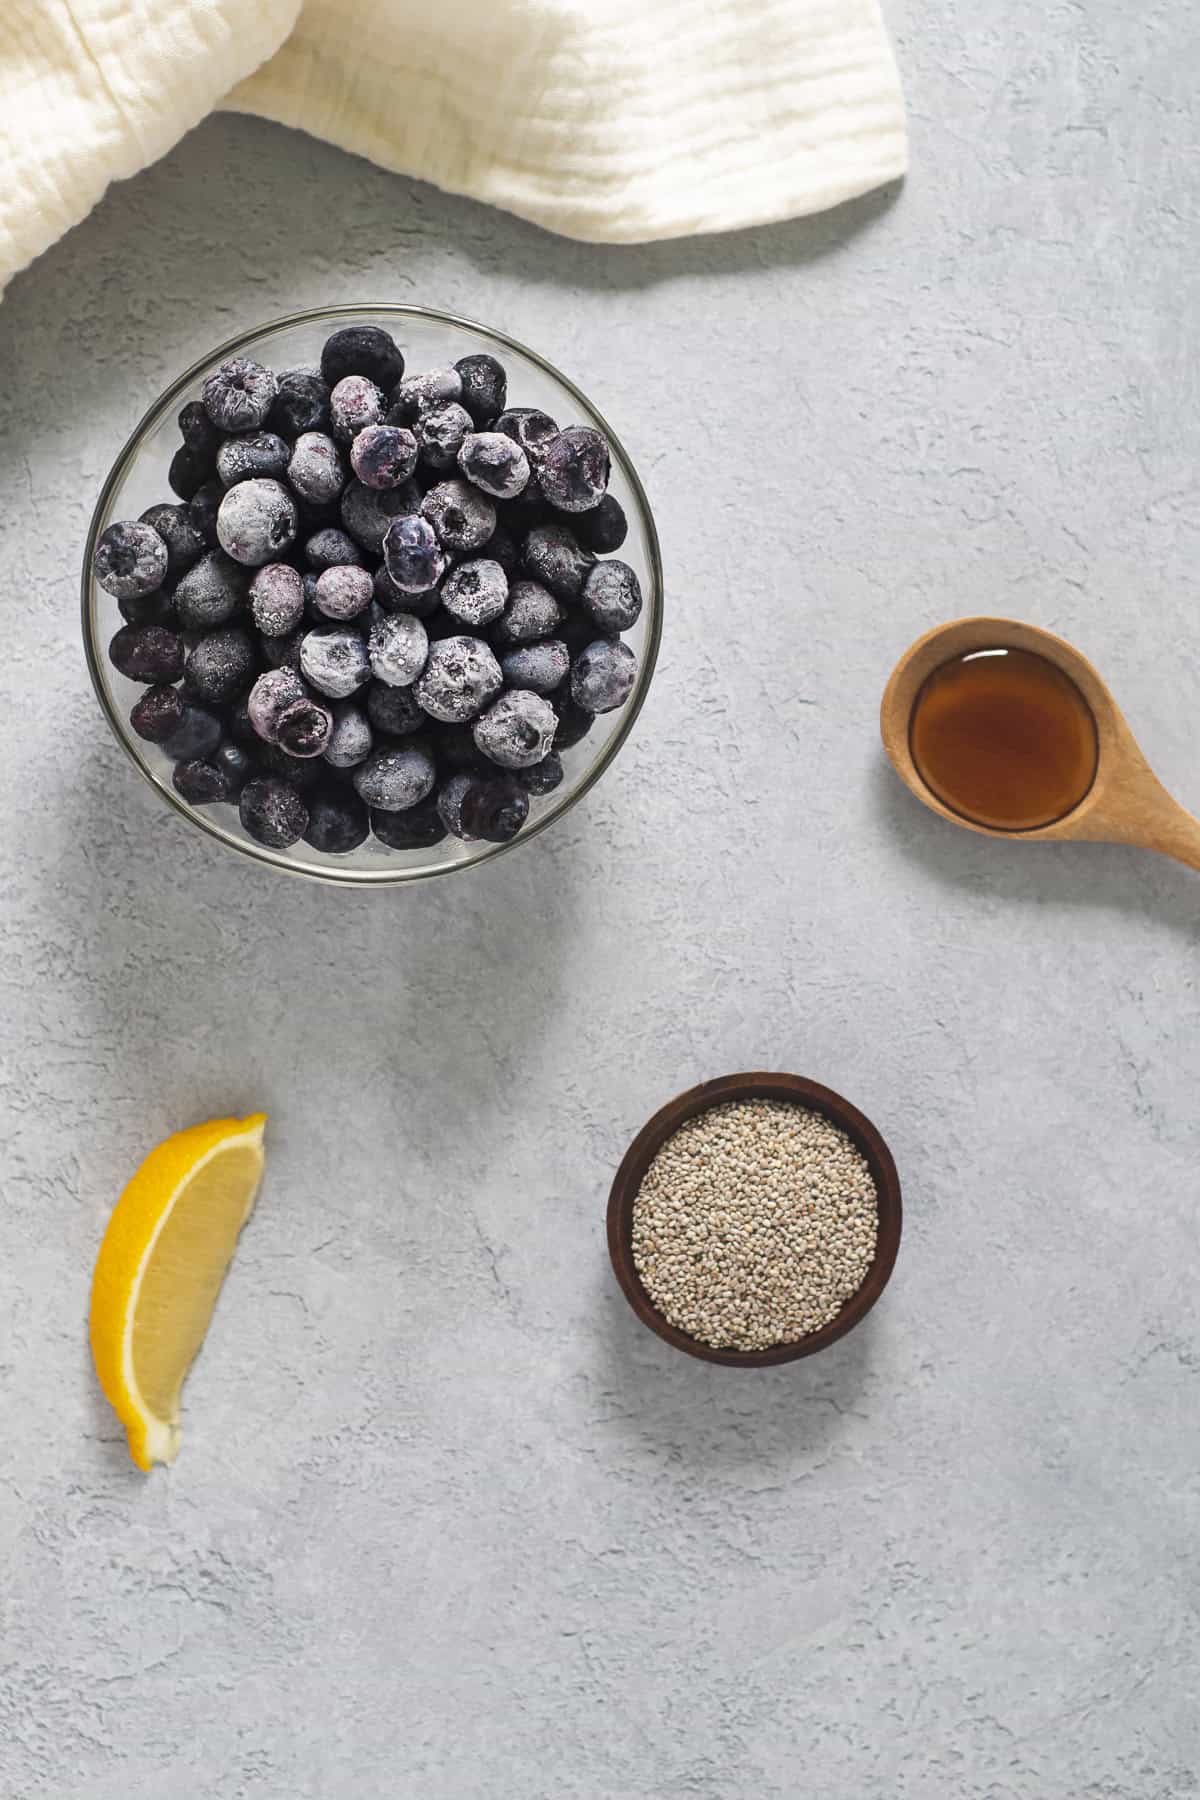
(446,1522)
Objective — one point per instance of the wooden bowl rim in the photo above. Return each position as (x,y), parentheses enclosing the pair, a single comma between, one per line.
(757,1084)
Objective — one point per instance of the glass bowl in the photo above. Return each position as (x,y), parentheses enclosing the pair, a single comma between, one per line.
(429,340)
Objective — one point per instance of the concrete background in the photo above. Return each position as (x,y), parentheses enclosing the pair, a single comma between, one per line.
(447,1522)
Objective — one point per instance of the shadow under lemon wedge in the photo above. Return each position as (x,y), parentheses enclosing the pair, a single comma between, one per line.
(169,1241)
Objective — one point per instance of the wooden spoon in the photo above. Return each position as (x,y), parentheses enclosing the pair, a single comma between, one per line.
(1126,803)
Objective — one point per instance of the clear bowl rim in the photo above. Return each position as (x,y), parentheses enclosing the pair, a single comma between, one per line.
(384,877)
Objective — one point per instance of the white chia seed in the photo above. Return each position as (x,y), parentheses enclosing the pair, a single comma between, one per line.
(754,1224)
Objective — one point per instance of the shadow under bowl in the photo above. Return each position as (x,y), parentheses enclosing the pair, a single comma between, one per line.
(755,1086)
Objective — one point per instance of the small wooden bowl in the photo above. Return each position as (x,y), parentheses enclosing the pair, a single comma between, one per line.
(754,1086)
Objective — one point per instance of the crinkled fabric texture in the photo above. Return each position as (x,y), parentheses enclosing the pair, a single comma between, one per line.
(621,122)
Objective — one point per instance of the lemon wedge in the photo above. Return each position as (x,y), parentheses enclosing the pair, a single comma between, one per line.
(169,1241)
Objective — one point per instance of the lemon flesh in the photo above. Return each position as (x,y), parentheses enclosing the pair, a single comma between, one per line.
(165,1253)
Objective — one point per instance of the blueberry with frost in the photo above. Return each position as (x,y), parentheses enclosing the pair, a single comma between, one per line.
(238,395)
(130,560)
(273,812)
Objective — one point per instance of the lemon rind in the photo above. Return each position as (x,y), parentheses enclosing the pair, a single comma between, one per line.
(153,1439)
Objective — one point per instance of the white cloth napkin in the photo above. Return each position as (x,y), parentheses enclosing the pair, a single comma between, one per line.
(612,120)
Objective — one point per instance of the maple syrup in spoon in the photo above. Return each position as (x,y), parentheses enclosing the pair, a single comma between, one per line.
(1004,737)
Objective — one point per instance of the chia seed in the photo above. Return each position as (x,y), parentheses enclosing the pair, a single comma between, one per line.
(754,1224)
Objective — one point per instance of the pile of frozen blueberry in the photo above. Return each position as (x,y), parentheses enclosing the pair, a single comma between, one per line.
(383,602)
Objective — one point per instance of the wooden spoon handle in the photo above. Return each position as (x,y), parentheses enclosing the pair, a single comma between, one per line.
(1175,833)
(1142,812)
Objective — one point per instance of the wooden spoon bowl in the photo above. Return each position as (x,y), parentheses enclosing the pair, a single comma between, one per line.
(666,1123)
(1126,803)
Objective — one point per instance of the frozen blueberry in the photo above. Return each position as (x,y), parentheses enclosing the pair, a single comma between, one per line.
(354,404)
(393,780)
(574,721)
(344,591)
(238,396)
(253,453)
(220,665)
(200,783)
(195,737)
(338,822)
(440,434)
(351,740)
(603,528)
(202,510)
(540,667)
(331,548)
(602,677)
(273,812)
(157,608)
(188,470)
(211,592)
(542,777)
(256,521)
(394,599)
(463,518)
(270,698)
(495,463)
(418,394)
(394,710)
(304,728)
(130,559)
(454,748)
(302,772)
(382,456)
(283,652)
(301,404)
(412,556)
(387,594)
(528,427)
(492,807)
(552,555)
(157,713)
(317,469)
(475,593)
(518,730)
(460,678)
(484,386)
(532,612)
(334,659)
(573,469)
(612,596)
(501,548)
(530,508)
(235,763)
(367,512)
(397,647)
(176,528)
(577,632)
(450,797)
(147,653)
(362,350)
(418,827)
(198,431)
(240,728)
(276,599)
